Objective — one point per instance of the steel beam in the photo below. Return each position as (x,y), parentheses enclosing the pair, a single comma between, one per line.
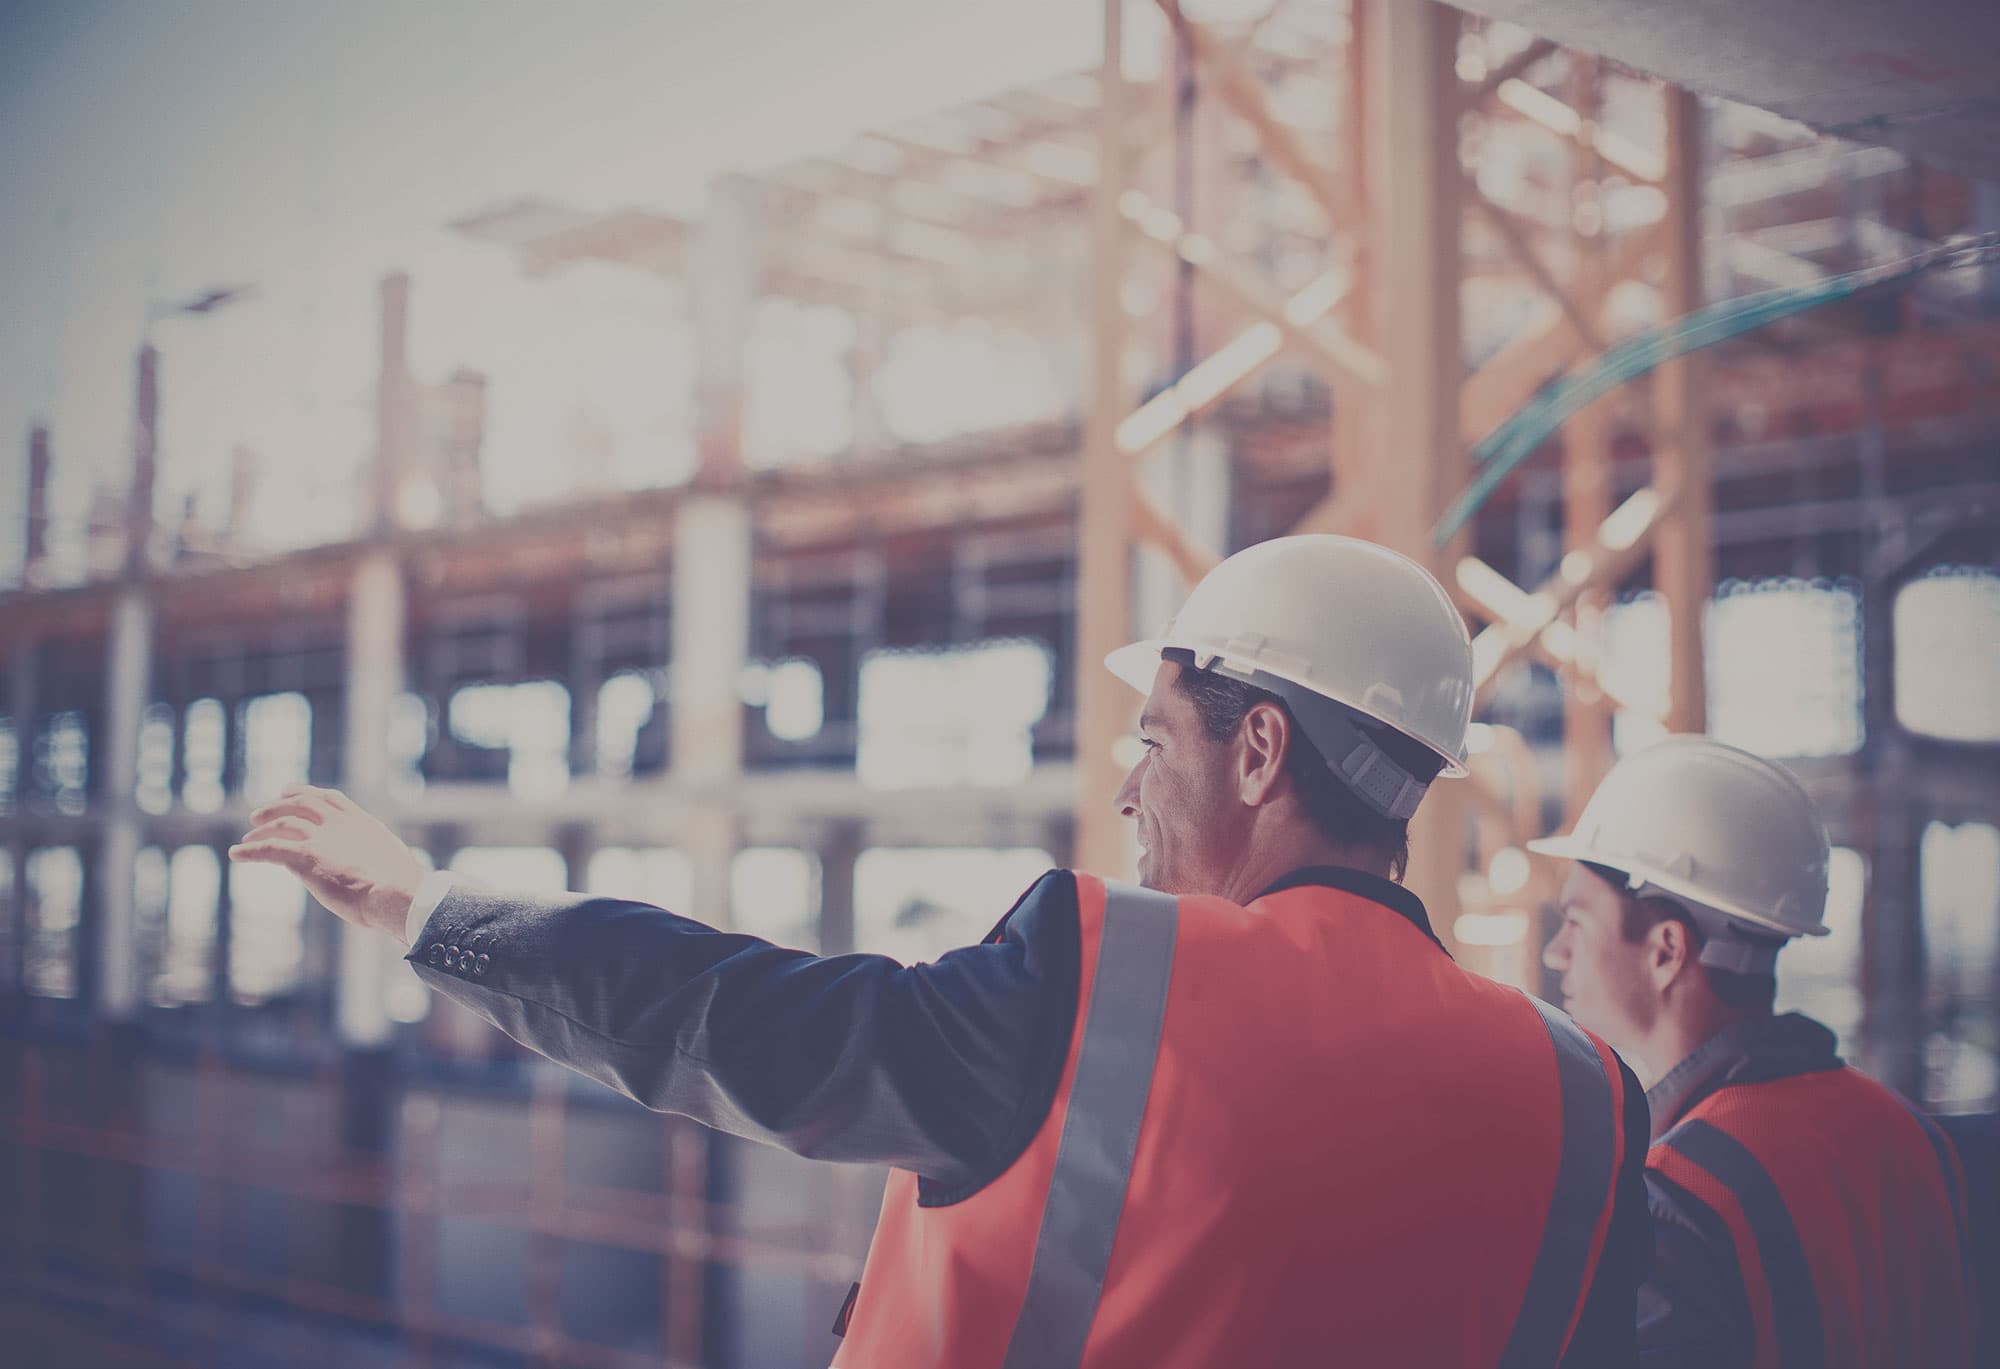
(1684,557)
(1344,361)
(1104,706)
(1586,492)
(1620,543)
(1240,89)
(1412,137)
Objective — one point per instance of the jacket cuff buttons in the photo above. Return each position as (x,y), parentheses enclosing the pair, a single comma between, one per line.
(452,958)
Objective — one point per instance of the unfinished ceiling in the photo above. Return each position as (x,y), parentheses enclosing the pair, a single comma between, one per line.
(1922,76)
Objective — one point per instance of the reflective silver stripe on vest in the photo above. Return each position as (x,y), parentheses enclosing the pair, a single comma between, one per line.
(1107,1101)
(1584,1177)
(1794,1302)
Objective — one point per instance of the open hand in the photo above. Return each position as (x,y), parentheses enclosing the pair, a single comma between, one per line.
(345,856)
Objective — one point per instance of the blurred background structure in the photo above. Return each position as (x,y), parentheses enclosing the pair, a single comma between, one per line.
(788,617)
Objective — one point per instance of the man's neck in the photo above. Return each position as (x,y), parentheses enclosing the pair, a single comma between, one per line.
(1682,1029)
(1269,866)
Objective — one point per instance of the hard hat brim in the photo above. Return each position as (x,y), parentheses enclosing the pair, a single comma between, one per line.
(1569,848)
(1138,663)
(1565,848)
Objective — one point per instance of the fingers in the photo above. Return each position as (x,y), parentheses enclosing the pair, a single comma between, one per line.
(277,829)
(289,808)
(277,841)
(332,798)
(289,854)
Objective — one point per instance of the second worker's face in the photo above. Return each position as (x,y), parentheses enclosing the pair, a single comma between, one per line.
(1181,797)
(1606,985)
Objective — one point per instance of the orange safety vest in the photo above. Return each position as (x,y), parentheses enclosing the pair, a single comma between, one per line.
(1847,1210)
(1287,1134)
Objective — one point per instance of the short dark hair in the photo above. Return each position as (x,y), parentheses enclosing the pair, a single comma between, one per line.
(1335,809)
(1743,993)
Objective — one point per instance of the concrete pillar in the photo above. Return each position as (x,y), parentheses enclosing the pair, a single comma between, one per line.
(21,705)
(576,844)
(1892,929)
(461,405)
(395,408)
(376,615)
(359,1014)
(711,638)
(375,624)
(1890,824)
(145,448)
(127,683)
(723,283)
(225,919)
(1419,462)
(712,549)
(375,621)
(23,667)
(364,1236)
(711,643)
(36,544)
(839,847)
(583,684)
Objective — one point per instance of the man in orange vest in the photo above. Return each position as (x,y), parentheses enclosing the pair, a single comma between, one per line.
(1805,1215)
(1248,1115)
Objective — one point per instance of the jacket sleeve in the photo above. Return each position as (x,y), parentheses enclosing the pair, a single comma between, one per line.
(855,1057)
(1605,1330)
(1693,1311)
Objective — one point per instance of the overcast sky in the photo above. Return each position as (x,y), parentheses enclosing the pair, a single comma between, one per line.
(151,150)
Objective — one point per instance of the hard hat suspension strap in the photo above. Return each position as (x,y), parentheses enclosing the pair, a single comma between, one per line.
(1725,944)
(1362,765)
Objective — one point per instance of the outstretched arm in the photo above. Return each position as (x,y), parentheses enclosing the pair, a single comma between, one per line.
(944,1069)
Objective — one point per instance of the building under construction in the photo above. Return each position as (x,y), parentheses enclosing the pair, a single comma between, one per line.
(1313,270)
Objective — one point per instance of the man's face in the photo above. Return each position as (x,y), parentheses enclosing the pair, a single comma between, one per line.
(1606,983)
(1181,796)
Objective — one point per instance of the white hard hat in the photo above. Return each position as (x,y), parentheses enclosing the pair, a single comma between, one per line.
(1728,834)
(1331,624)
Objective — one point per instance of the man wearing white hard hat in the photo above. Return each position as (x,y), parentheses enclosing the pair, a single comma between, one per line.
(1248,1113)
(1804,1214)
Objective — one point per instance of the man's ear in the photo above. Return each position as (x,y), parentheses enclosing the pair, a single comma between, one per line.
(1263,743)
(1670,951)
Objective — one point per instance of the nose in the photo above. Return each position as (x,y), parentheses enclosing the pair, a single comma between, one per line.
(1127,802)
(1555,955)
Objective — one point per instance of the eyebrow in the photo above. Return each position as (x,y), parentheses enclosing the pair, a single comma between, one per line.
(1150,722)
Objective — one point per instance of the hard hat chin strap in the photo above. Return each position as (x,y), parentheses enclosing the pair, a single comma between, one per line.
(1363,766)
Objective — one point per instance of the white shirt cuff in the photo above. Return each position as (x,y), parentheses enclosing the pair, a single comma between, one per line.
(429,894)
